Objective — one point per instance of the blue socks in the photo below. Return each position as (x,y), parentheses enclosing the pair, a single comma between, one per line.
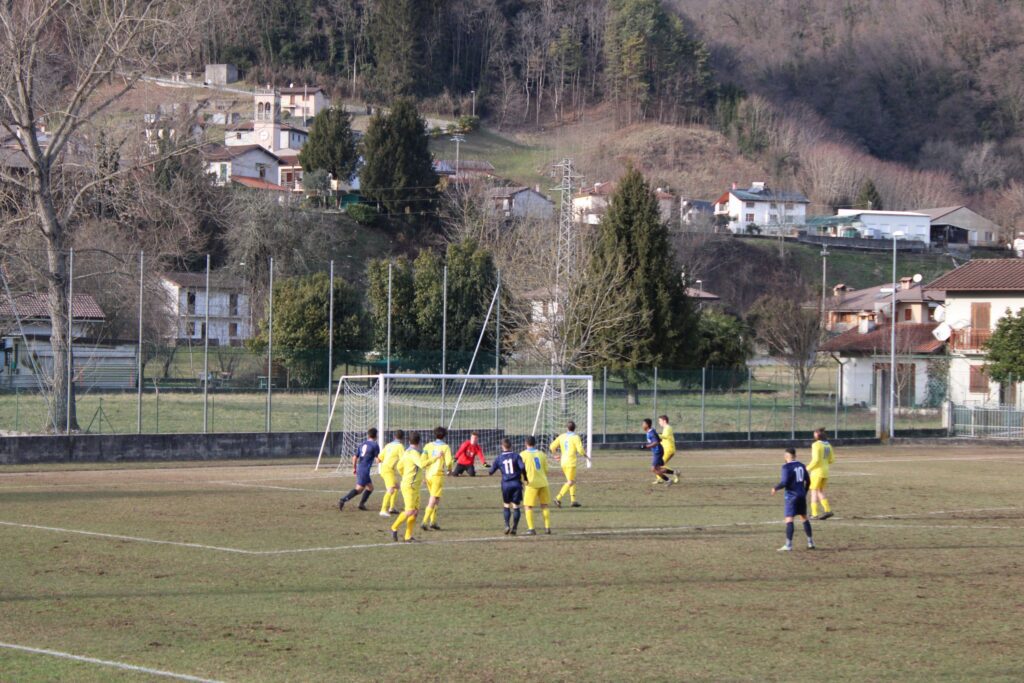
(789,532)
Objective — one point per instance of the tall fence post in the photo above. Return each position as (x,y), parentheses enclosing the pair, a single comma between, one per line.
(71,336)
(138,352)
(497,349)
(604,406)
(330,337)
(839,394)
(792,408)
(444,338)
(703,391)
(750,405)
(655,399)
(206,351)
(389,320)
(270,349)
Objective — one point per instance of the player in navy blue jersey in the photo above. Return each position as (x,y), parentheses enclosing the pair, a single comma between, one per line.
(794,482)
(513,471)
(653,443)
(361,464)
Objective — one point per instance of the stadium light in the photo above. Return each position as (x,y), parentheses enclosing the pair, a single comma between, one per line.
(892,343)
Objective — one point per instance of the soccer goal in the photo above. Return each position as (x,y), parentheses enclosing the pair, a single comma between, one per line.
(495,406)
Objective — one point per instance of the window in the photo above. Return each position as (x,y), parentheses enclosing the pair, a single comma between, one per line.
(232,304)
(190,329)
(238,136)
(223,172)
(773,205)
(789,206)
(202,330)
(908,314)
(773,217)
(262,170)
(233,330)
(979,382)
(750,205)
(750,218)
(981,315)
(190,302)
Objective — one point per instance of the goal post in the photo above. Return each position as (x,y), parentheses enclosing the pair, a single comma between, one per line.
(494,406)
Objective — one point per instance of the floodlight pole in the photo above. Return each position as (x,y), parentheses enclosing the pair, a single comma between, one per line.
(206,350)
(389,321)
(497,345)
(444,335)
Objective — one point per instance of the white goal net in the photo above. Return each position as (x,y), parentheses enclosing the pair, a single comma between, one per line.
(494,406)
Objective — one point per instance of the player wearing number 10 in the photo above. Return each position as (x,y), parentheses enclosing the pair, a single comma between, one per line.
(571,447)
(794,481)
(536,463)
(512,469)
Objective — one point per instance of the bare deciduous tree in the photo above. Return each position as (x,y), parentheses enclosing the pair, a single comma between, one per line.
(791,334)
(62,65)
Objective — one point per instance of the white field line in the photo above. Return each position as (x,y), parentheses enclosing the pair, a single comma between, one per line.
(486,539)
(107,662)
(870,525)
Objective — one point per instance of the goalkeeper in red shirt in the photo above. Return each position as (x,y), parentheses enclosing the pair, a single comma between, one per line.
(467,454)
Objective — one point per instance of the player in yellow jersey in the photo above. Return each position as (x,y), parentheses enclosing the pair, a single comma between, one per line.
(668,444)
(536,491)
(439,458)
(411,466)
(571,447)
(388,460)
(822,457)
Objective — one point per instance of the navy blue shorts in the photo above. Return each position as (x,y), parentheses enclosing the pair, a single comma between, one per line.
(363,476)
(658,460)
(796,505)
(512,494)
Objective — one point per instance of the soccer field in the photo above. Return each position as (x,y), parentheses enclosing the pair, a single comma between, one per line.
(244,572)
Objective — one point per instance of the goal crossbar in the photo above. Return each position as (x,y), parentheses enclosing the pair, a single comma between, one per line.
(372,397)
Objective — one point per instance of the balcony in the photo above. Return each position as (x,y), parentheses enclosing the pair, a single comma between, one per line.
(969,340)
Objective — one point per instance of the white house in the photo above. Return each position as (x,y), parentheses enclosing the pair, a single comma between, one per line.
(771,211)
(249,165)
(592,202)
(519,202)
(978,295)
(696,212)
(866,349)
(266,130)
(303,102)
(27,351)
(960,225)
(230,315)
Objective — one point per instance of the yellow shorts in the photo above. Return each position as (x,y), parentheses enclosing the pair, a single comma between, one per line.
(435,486)
(668,456)
(411,498)
(570,473)
(532,496)
(390,480)
(819,480)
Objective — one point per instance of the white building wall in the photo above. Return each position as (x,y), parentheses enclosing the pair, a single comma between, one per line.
(530,204)
(958,312)
(764,214)
(858,379)
(221,317)
(238,138)
(883,225)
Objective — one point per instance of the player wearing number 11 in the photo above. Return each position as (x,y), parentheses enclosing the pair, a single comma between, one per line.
(513,471)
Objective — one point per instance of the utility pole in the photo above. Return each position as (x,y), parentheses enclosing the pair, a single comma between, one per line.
(824,272)
(458,139)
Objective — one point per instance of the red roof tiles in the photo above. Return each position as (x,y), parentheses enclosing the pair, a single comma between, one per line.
(910,338)
(988,275)
(36,306)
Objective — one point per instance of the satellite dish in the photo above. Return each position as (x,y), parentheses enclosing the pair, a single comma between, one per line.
(940,313)
(961,324)
(942,332)
(917,277)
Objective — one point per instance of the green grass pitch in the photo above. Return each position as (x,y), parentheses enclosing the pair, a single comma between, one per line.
(241,572)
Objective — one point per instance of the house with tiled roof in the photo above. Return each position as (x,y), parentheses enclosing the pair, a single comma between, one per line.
(978,294)
(25,331)
(591,203)
(304,102)
(861,321)
(761,209)
(245,165)
(518,201)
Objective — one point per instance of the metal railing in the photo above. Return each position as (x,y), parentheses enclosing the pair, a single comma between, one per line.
(988,422)
(969,339)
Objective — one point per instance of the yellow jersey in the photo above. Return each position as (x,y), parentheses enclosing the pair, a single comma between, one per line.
(668,441)
(411,466)
(571,446)
(389,458)
(536,462)
(439,458)
(822,455)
